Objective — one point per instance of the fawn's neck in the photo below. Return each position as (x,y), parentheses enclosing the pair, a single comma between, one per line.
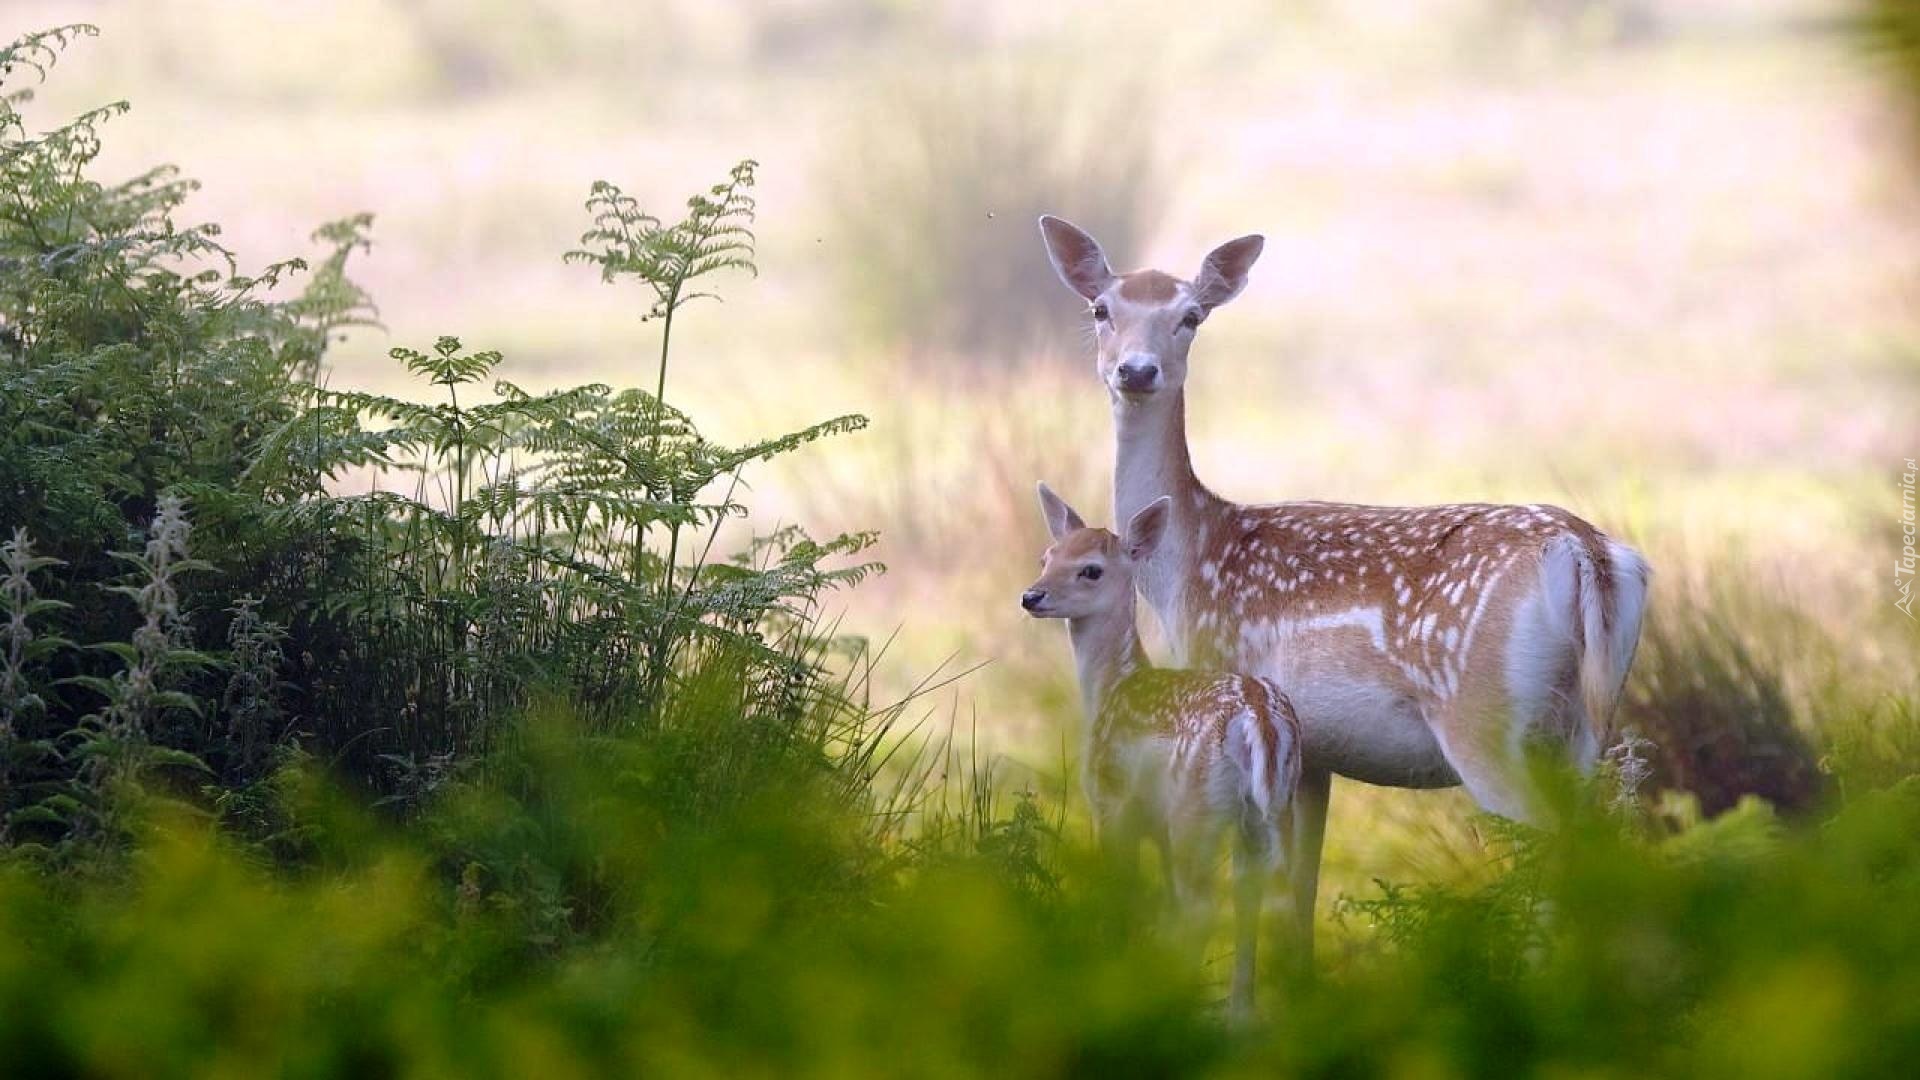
(1106,649)
(1150,460)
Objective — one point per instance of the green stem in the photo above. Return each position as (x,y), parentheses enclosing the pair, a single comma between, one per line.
(660,384)
(459,485)
(659,419)
(656,674)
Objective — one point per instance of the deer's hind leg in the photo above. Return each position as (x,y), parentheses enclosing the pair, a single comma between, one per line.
(1494,775)
(1493,730)
(1517,693)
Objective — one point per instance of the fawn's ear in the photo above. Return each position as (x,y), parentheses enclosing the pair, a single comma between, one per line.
(1148,528)
(1061,519)
(1076,257)
(1224,273)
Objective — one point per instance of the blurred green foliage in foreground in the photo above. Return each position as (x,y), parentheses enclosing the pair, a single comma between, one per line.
(660,903)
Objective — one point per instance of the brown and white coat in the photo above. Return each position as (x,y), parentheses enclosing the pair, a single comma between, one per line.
(1422,646)
(1183,758)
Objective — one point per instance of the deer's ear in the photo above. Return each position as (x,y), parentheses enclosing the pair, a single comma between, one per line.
(1061,518)
(1224,273)
(1076,256)
(1148,528)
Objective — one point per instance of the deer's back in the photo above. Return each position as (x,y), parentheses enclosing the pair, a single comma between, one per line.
(1368,615)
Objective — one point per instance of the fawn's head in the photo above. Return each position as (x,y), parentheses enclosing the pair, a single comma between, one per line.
(1090,571)
(1144,321)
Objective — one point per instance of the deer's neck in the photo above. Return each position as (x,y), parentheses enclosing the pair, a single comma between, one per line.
(1151,460)
(1150,456)
(1106,649)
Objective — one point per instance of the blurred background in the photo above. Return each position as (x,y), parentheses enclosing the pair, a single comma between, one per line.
(1653,260)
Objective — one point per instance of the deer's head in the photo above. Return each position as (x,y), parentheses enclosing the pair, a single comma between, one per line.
(1144,321)
(1090,571)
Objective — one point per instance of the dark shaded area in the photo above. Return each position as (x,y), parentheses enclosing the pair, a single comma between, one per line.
(1718,716)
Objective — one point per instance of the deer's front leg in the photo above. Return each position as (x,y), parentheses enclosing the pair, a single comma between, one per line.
(1116,829)
(1303,860)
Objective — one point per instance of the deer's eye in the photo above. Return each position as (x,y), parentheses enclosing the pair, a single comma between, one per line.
(1100,313)
(1192,319)
(1091,573)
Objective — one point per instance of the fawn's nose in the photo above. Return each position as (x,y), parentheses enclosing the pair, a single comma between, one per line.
(1032,598)
(1137,373)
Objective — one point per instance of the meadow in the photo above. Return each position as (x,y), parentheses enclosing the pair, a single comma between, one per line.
(466,650)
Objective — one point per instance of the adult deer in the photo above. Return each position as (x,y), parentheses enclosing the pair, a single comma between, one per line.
(1422,646)
(1182,758)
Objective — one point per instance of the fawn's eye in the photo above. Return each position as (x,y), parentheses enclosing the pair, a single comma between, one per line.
(1192,319)
(1100,313)
(1091,573)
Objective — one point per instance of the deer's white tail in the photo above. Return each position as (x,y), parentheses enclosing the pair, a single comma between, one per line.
(1611,595)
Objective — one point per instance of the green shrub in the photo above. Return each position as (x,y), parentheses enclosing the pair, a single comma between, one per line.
(514,543)
(715,894)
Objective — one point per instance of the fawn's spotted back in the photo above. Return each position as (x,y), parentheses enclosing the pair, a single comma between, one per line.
(1229,744)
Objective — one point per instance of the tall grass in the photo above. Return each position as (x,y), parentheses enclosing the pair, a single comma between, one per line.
(937,184)
(1721,721)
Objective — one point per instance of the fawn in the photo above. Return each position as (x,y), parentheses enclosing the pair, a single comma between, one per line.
(1178,757)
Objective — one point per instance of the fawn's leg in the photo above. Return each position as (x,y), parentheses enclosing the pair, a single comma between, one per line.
(1250,870)
(1119,833)
(1195,844)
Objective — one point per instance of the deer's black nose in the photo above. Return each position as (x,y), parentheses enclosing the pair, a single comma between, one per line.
(1137,375)
(1032,598)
